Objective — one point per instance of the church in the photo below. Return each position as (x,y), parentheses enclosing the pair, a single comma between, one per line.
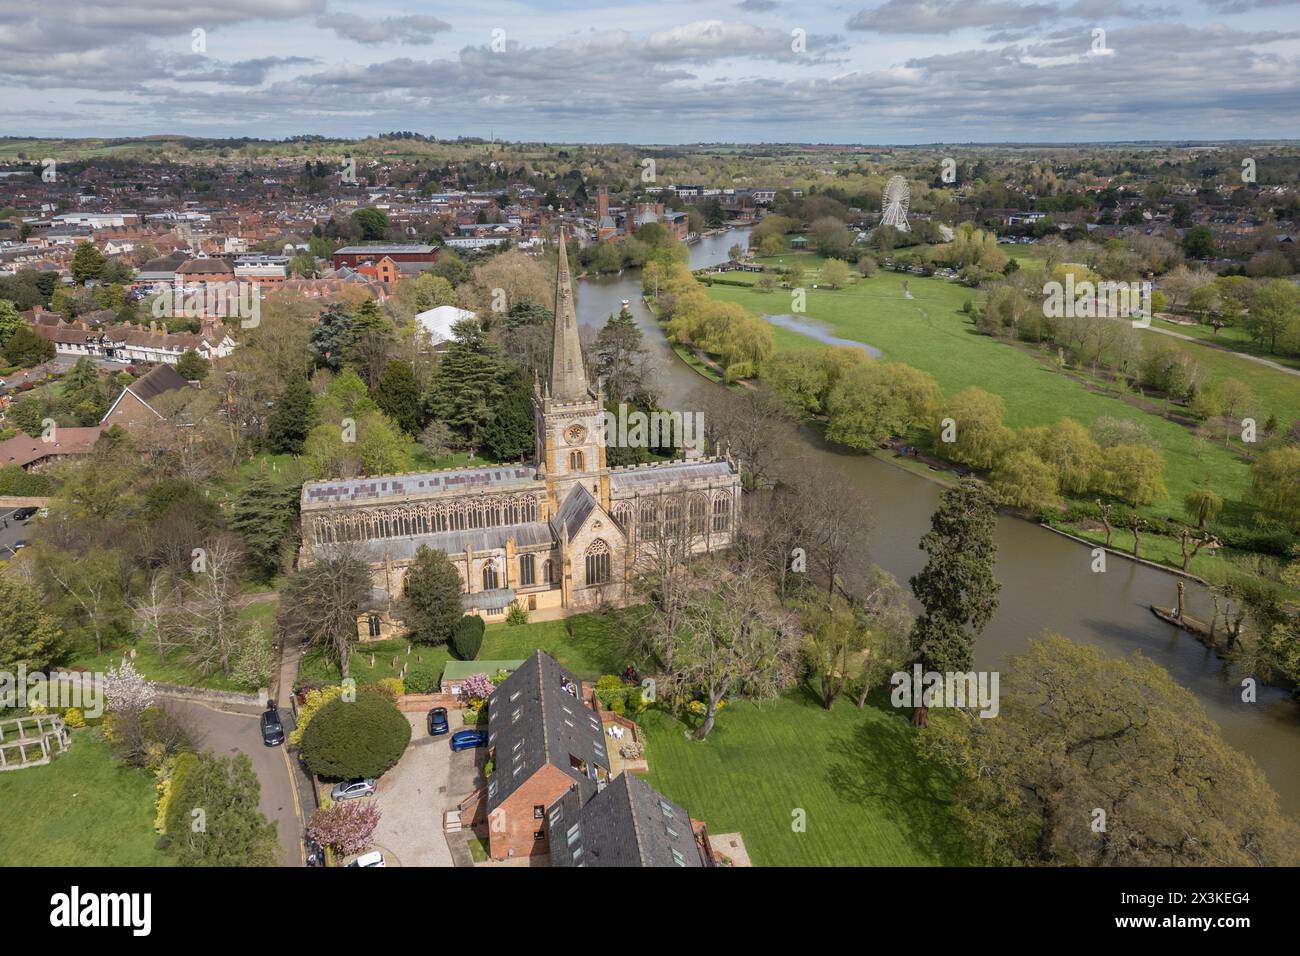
(564,534)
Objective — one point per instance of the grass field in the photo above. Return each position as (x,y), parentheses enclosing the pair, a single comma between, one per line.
(583,643)
(930,332)
(868,799)
(175,669)
(81,810)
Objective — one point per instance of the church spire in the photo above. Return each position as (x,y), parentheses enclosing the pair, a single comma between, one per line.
(568,382)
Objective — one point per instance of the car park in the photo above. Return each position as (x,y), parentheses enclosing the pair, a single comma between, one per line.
(468,739)
(438,722)
(351,789)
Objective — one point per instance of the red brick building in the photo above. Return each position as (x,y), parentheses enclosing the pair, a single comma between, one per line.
(410,258)
(543,742)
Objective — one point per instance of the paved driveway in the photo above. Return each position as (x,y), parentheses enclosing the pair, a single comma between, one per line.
(413,795)
(227,733)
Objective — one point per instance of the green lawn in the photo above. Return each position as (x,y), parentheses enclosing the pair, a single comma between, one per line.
(175,669)
(584,643)
(1229,337)
(930,332)
(868,799)
(81,810)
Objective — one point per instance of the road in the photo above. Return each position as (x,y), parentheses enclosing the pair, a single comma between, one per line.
(16,531)
(227,733)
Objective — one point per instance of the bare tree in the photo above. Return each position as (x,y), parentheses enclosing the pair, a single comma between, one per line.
(734,640)
(208,618)
(751,423)
(154,609)
(322,600)
(673,528)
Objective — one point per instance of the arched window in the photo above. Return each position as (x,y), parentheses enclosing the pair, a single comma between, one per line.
(527,570)
(721,514)
(372,625)
(699,515)
(491,580)
(646,522)
(575,461)
(547,573)
(673,517)
(598,563)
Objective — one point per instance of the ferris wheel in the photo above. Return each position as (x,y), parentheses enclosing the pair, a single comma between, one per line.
(894,202)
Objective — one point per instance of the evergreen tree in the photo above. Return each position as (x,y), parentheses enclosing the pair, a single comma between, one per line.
(468,386)
(398,395)
(87,263)
(29,634)
(234,833)
(433,589)
(956,588)
(292,419)
(619,359)
(27,349)
(512,432)
(192,366)
(264,514)
(331,336)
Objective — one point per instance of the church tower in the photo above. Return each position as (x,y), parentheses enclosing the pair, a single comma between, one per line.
(570,423)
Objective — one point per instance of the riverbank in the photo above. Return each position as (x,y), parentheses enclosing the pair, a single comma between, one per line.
(1047,582)
(925,322)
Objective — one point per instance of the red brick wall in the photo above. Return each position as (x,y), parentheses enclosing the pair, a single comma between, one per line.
(511,826)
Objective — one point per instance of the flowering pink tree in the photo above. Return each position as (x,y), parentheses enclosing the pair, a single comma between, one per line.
(344,827)
(126,690)
(478,687)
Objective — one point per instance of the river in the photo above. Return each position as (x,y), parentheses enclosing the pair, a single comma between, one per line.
(1047,581)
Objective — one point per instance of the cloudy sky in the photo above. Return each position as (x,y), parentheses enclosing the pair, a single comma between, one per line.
(662,71)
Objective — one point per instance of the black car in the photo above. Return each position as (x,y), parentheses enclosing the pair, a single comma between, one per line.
(22,514)
(438,722)
(272,728)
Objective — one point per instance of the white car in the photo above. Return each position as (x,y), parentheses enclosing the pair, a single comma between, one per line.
(373,858)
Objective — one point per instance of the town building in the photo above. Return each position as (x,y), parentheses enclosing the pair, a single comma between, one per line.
(132,407)
(409,258)
(562,534)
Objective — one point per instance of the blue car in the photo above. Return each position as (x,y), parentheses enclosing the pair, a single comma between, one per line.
(438,722)
(468,739)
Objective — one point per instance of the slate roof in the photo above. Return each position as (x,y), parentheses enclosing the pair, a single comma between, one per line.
(383,248)
(629,823)
(460,481)
(537,717)
(651,477)
(162,378)
(574,511)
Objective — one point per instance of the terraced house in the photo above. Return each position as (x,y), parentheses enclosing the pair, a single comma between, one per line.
(563,534)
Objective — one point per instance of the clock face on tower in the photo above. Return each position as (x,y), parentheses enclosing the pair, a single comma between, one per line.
(574,434)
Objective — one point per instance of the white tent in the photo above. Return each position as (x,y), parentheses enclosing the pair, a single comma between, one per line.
(438,322)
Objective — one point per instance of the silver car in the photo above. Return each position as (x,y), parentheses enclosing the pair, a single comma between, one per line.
(351,789)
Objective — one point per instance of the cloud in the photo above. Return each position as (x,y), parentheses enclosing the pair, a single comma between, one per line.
(946,16)
(413,30)
(758,6)
(949,16)
(709,79)
(1241,6)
